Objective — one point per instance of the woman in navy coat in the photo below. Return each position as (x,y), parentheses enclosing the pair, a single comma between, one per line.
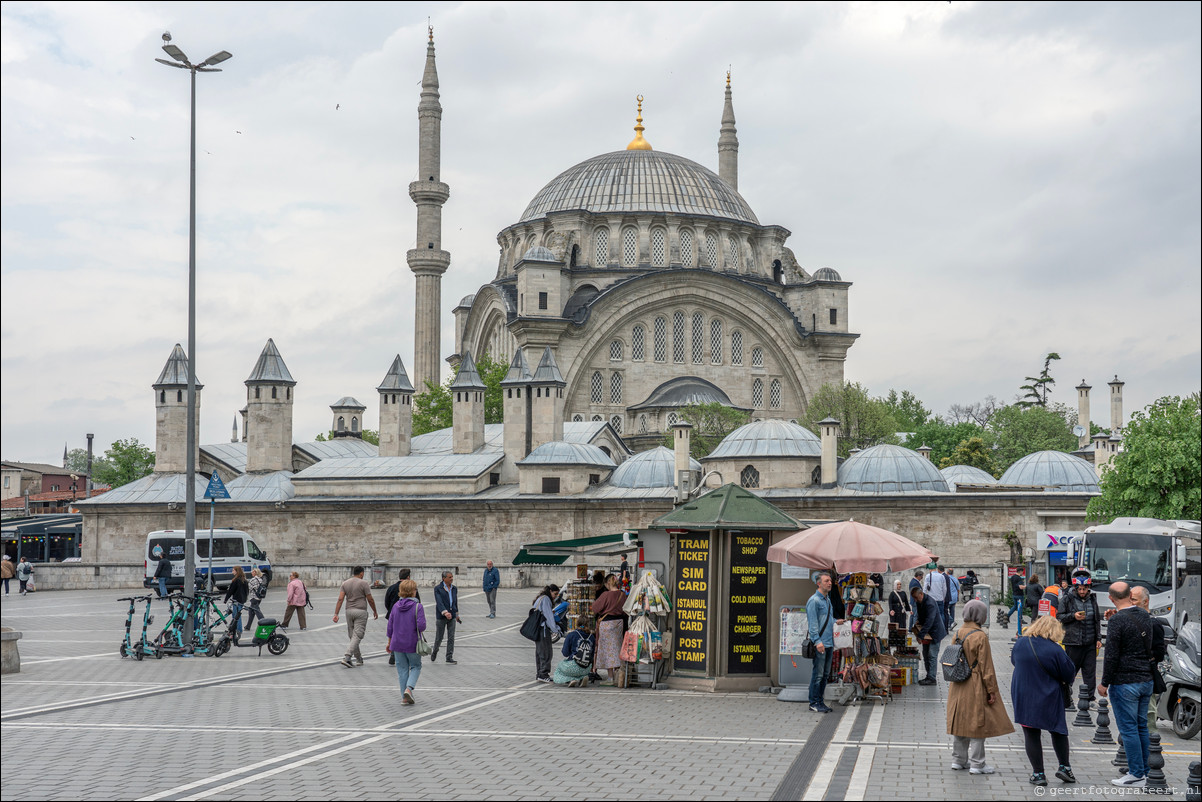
(1041,669)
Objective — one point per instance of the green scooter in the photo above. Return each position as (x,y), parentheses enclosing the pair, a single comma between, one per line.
(265,635)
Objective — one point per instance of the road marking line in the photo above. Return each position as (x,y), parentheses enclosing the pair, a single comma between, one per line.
(857,787)
(830,759)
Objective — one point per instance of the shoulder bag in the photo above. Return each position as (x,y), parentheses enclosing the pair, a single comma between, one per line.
(533,623)
(423,647)
(808,650)
(1066,690)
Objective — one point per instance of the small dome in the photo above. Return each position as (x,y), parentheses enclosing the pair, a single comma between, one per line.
(1054,470)
(768,438)
(539,254)
(827,274)
(654,468)
(890,469)
(347,402)
(559,452)
(467,300)
(966,475)
(685,391)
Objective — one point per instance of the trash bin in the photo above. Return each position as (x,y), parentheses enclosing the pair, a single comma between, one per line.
(983,592)
(378,570)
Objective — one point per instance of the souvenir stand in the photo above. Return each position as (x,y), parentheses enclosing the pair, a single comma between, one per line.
(646,642)
(865,664)
(579,595)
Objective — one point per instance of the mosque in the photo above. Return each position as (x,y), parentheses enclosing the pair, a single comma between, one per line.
(632,284)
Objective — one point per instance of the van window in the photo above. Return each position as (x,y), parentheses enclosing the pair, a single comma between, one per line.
(173,547)
(223,547)
(253,551)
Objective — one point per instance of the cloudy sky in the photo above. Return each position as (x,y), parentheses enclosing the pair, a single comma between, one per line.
(998,181)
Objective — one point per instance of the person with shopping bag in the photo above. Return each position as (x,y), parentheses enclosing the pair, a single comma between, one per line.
(974,706)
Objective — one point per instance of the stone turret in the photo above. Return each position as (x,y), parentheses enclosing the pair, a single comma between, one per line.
(269,413)
(467,407)
(515,394)
(396,411)
(546,402)
(728,143)
(348,417)
(828,430)
(427,259)
(1116,405)
(1083,413)
(682,432)
(171,414)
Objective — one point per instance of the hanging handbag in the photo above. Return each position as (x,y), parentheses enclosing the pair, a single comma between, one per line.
(808,650)
(423,648)
(532,624)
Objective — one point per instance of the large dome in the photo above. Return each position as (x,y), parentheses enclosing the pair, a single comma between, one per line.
(891,469)
(1054,470)
(640,181)
(654,468)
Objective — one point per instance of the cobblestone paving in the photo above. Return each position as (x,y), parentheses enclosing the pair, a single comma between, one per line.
(79,722)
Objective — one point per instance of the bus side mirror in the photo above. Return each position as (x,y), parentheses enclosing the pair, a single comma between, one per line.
(1071,552)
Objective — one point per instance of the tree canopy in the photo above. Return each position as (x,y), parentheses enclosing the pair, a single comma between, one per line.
(907,411)
(865,421)
(973,452)
(1017,431)
(1039,387)
(432,408)
(370,435)
(1158,474)
(125,461)
(711,422)
(942,437)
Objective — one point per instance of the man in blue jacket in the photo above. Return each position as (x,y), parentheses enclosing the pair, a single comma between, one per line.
(446,606)
(820,615)
(931,629)
(492,581)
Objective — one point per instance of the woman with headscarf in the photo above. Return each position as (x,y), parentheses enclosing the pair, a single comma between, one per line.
(974,707)
(899,606)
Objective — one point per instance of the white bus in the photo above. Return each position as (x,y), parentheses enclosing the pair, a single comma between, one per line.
(1163,556)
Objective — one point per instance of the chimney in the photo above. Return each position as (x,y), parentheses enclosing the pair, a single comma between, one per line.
(90,436)
(682,435)
(467,407)
(515,401)
(396,411)
(269,411)
(171,414)
(546,406)
(1101,451)
(348,417)
(1116,405)
(829,429)
(1083,413)
(925,450)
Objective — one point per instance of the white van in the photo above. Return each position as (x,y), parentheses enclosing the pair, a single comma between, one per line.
(230,547)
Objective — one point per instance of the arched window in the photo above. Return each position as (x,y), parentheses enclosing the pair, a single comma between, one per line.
(757,357)
(642,424)
(774,394)
(354,424)
(698,337)
(179,395)
(341,423)
(162,396)
(577,418)
(659,247)
(615,388)
(716,341)
(711,250)
(686,247)
(596,386)
(734,256)
(661,339)
(736,347)
(673,419)
(630,247)
(749,477)
(615,351)
(616,422)
(602,247)
(636,344)
(757,393)
(678,336)
(597,419)
(273,392)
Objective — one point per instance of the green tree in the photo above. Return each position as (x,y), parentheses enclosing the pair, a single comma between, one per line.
(370,435)
(942,437)
(432,409)
(865,421)
(973,452)
(1038,387)
(124,462)
(77,460)
(1158,474)
(711,422)
(907,411)
(1017,431)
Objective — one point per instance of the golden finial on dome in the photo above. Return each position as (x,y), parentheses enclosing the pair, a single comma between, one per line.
(430,27)
(728,78)
(638,143)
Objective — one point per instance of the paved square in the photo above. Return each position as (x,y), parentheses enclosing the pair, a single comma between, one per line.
(79,722)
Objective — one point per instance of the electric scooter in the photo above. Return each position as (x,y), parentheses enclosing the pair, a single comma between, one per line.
(1181,700)
(128,647)
(265,635)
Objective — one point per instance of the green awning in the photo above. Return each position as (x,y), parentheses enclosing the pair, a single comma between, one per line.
(557,552)
(728,507)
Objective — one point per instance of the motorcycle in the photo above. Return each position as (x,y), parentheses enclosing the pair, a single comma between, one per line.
(1182,698)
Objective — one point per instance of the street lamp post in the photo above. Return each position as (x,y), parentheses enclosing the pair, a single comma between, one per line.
(181,62)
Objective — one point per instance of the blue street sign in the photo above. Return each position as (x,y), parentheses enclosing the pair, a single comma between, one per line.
(216,488)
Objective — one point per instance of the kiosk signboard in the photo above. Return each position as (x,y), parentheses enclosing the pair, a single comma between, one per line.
(692,601)
(748,614)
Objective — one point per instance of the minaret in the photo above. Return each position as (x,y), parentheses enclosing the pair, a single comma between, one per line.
(396,411)
(171,414)
(728,143)
(428,260)
(234,432)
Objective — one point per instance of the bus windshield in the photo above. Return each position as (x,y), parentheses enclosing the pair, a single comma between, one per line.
(1130,557)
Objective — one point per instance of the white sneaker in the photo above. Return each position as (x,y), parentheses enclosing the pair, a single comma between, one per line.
(1129,780)
(982,770)
(958,766)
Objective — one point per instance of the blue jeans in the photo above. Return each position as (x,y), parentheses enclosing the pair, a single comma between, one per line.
(162,586)
(236,612)
(408,669)
(1130,705)
(820,671)
(1017,606)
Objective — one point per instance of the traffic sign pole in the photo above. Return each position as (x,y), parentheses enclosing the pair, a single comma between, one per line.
(214,491)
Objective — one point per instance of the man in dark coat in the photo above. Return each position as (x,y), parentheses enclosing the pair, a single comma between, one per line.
(1127,680)
(446,601)
(391,596)
(1032,595)
(930,630)
(1082,621)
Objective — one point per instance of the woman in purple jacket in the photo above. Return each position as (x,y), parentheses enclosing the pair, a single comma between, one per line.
(406,620)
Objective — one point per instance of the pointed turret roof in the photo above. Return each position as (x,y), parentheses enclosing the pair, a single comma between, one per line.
(519,370)
(175,372)
(396,380)
(548,371)
(429,97)
(468,378)
(270,369)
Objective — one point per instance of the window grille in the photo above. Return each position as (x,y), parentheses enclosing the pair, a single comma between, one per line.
(673,419)
(636,344)
(736,347)
(686,247)
(659,247)
(602,247)
(597,419)
(616,422)
(757,393)
(577,418)
(698,337)
(750,477)
(615,388)
(630,247)
(643,424)
(711,251)
(774,394)
(678,336)
(716,341)
(597,385)
(615,351)
(733,256)
(661,339)
(757,357)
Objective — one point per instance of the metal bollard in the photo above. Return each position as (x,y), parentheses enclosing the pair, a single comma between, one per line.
(1120,759)
(1102,734)
(1194,791)
(1083,718)
(1156,782)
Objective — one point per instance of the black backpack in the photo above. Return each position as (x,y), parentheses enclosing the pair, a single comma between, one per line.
(584,653)
(955,662)
(261,590)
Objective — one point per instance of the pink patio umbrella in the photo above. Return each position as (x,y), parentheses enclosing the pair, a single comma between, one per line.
(849,547)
